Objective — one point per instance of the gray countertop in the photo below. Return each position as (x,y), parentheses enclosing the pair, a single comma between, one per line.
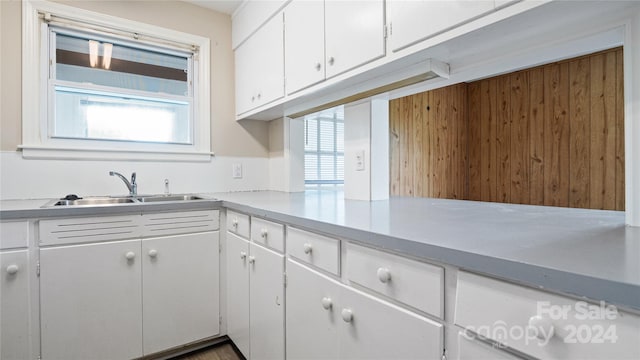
(588,253)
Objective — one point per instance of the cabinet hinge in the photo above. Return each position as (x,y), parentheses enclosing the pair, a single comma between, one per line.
(220,321)
(220,248)
(38,268)
(385,31)
(284,277)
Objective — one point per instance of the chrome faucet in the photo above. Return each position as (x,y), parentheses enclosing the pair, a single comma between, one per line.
(132,186)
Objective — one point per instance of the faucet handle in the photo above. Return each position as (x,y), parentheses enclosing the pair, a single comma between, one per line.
(133,177)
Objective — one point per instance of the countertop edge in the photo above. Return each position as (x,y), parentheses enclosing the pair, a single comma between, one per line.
(563,282)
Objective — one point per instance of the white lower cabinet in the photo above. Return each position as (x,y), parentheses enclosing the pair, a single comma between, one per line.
(180,290)
(255,299)
(91,301)
(14,305)
(471,349)
(328,320)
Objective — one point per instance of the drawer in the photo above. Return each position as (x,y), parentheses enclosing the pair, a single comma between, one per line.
(471,349)
(411,282)
(267,233)
(238,223)
(14,234)
(89,229)
(181,222)
(542,324)
(317,250)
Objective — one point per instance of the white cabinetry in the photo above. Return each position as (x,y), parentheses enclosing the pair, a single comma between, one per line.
(91,293)
(472,349)
(344,323)
(321,38)
(14,304)
(91,301)
(354,33)
(180,290)
(255,292)
(260,67)
(544,325)
(413,21)
(304,44)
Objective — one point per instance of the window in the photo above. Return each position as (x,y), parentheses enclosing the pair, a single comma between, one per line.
(105,89)
(324,149)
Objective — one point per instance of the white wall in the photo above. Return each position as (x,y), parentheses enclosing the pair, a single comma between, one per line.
(33,179)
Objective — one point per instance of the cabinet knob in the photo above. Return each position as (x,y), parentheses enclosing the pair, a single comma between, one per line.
(234,223)
(253,98)
(384,275)
(252,260)
(331,61)
(327,303)
(259,96)
(153,253)
(243,255)
(12,269)
(542,327)
(307,248)
(347,315)
(263,233)
(318,66)
(130,255)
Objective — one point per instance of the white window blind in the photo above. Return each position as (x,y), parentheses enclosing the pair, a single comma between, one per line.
(324,148)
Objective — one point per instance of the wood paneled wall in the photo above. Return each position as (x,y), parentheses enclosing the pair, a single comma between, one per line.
(428,144)
(549,135)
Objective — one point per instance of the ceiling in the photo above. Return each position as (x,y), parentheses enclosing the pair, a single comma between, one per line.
(223,6)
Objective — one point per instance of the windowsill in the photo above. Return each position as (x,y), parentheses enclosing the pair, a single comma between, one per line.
(44,152)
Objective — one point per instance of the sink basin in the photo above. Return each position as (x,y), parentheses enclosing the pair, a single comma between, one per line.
(97,201)
(106,201)
(158,198)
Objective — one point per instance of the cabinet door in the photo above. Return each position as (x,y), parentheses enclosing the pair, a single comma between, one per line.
(266,290)
(180,287)
(312,316)
(260,67)
(14,305)
(413,21)
(238,292)
(354,33)
(471,349)
(373,329)
(304,44)
(91,301)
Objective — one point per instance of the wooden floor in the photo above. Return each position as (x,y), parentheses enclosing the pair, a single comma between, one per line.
(217,352)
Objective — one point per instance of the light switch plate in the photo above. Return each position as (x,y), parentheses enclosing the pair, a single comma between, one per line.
(237,171)
(360,160)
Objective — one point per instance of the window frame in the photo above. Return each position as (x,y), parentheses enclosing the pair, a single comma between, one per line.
(318,152)
(36,139)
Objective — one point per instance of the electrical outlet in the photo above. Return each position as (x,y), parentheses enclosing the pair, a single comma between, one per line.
(237,171)
(360,160)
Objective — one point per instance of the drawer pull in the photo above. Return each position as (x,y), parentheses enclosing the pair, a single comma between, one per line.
(347,315)
(307,248)
(12,269)
(327,303)
(243,255)
(542,326)
(130,255)
(263,233)
(384,275)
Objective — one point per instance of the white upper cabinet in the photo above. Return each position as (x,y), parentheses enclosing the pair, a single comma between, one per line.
(250,16)
(260,67)
(413,21)
(304,44)
(354,34)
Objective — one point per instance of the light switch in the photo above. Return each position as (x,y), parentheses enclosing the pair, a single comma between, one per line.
(360,160)
(237,171)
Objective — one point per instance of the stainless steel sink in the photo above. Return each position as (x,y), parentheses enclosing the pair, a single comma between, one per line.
(96,201)
(107,201)
(158,198)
